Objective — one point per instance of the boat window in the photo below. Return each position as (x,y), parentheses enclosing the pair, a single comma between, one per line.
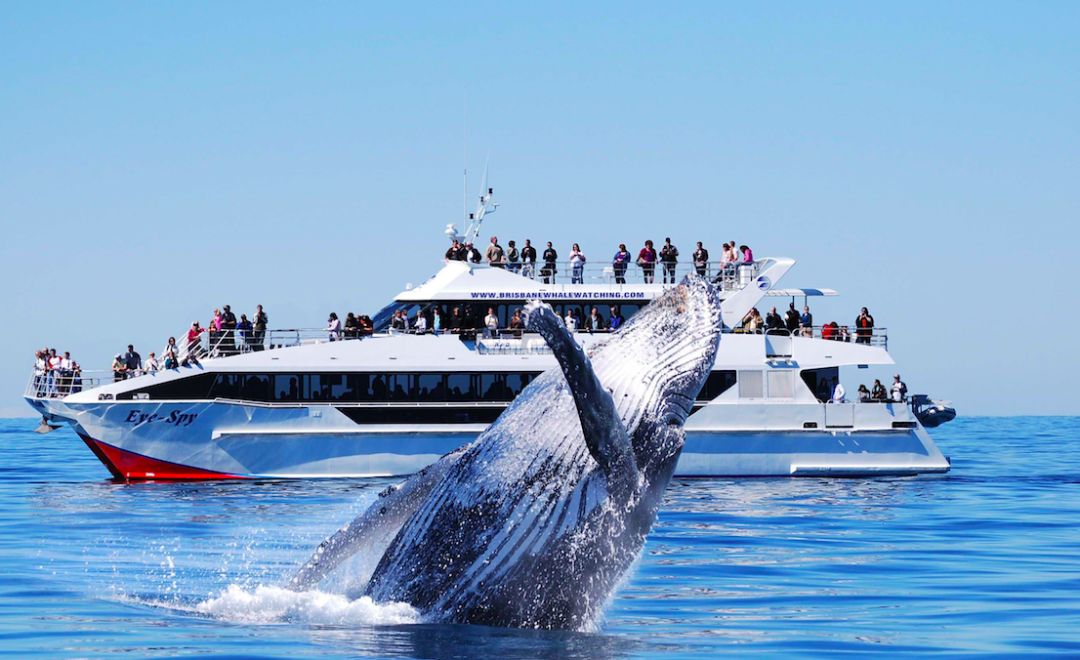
(381,321)
(716,384)
(286,387)
(750,385)
(196,386)
(820,381)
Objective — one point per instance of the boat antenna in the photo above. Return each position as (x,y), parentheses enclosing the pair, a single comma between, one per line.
(483,207)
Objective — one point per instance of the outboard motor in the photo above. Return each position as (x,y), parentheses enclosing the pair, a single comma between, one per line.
(931,413)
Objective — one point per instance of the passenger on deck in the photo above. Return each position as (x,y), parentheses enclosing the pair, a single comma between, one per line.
(646,258)
(727,258)
(864,327)
(669,257)
(774,324)
(118,368)
(615,320)
(752,322)
(399,322)
(352,326)
(528,260)
(436,321)
(213,331)
(457,320)
(228,327)
(791,320)
(333,327)
(244,333)
(878,392)
(132,362)
(864,394)
(577,265)
(495,255)
(513,258)
(571,321)
(595,321)
(899,389)
(620,262)
(453,253)
(420,324)
(170,355)
(838,392)
(701,260)
(367,327)
(830,330)
(491,323)
(150,364)
(747,257)
(258,331)
(517,323)
(806,322)
(549,269)
(472,253)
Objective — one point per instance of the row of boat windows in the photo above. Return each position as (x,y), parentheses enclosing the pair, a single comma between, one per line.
(365,387)
(470,315)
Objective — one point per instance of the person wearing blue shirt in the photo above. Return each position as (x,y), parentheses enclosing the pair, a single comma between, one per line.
(619,263)
(806,322)
(616,320)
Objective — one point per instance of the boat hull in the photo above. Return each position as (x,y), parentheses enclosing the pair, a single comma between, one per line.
(215,440)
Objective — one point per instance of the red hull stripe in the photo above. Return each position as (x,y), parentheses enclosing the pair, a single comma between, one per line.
(128,465)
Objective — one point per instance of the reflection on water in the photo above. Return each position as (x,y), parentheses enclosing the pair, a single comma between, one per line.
(982,559)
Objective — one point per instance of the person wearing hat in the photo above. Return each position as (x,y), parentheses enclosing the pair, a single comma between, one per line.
(899,389)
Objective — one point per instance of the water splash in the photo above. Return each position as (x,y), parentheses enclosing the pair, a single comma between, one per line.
(269,604)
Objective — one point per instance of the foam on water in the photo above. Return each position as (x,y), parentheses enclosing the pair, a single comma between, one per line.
(271,604)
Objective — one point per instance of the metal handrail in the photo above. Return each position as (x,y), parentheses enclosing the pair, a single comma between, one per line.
(876,336)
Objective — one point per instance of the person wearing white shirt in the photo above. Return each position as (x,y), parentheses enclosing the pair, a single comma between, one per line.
(838,393)
(333,327)
(899,389)
(421,324)
(571,321)
(491,323)
(150,364)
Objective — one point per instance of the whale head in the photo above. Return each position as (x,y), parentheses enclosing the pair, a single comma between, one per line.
(655,366)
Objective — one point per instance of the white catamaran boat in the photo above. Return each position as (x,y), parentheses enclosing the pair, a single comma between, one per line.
(294,403)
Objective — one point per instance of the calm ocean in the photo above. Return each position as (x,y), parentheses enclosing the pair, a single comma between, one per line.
(984,560)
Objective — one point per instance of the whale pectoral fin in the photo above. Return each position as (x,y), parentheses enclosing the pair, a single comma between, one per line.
(375,528)
(604,432)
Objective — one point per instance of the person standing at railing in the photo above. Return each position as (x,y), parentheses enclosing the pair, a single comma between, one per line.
(65,373)
(571,320)
(517,323)
(53,376)
(76,377)
(577,265)
(838,392)
(420,324)
(701,260)
(258,328)
(243,333)
(333,327)
(472,253)
(791,320)
(436,321)
(878,392)
(864,327)
(864,394)
(352,326)
(491,323)
(214,333)
(170,356)
(118,368)
(620,262)
(132,362)
(454,252)
(615,319)
(495,255)
(41,368)
(746,262)
(899,389)
(513,258)
(150,364)
(669,256)
(528,260)
(228,327)
(646,258)
(193,348)
(550,259)
(774,325)
(595,321)
(806,322)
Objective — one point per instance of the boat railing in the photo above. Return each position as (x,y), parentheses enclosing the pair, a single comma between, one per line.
(728,276)
(58,383)
(875,336)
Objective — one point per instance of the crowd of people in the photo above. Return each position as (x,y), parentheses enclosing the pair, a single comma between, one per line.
(793,324)
(56,374)
(528,262)
(877,394)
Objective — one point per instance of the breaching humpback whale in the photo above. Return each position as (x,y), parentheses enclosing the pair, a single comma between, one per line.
(535,522)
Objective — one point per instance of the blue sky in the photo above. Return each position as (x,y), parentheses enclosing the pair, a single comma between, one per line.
(159,160)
